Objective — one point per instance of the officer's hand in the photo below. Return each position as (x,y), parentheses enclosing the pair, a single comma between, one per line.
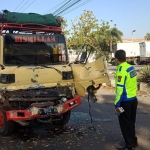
(117,110)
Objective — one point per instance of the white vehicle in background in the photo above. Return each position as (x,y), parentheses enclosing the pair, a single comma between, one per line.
(136,53)
(144,52)
(131,49)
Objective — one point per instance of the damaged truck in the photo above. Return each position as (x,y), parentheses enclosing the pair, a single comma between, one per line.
(37,82)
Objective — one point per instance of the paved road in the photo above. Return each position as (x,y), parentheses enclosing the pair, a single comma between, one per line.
(77,134)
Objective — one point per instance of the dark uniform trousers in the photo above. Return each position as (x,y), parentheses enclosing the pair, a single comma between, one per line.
(127,122)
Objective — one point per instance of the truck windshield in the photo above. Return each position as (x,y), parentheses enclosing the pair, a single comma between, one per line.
(34,49)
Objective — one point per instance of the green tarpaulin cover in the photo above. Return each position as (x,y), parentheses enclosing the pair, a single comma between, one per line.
(15,17)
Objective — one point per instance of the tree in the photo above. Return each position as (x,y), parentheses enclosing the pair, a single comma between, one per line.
(147,37)
(86,31)
(82,30)
(113,36)
(64,26)
(101,36)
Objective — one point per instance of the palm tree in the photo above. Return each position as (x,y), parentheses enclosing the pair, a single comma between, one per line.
(147,37)
(113,36)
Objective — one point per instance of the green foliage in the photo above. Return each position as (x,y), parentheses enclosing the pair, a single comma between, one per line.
(113,36)
(64,26)
(147,37)
(144,75)
(87,31)
(82,30)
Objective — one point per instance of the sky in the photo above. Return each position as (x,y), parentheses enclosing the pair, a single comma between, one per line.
(128,15)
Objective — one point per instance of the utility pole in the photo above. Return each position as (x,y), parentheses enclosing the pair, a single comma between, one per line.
(132,34)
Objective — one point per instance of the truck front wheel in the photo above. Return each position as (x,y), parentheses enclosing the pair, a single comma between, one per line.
(6,127)
(64,120)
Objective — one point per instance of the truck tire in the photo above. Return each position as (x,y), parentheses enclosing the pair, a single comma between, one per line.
(6,127)
(136,61)
(64,120)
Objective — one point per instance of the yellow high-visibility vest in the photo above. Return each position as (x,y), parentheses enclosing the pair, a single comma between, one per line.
(126,83)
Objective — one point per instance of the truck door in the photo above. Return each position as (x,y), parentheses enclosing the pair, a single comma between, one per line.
(93,73)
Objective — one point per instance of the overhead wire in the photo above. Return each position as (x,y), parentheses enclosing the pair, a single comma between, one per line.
(68,7)
(54,7)
(18,5)
(75,7)
(24,4)
(64,6)
(29,5)
(61,7)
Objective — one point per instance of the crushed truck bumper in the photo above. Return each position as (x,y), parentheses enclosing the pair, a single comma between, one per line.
(35,112)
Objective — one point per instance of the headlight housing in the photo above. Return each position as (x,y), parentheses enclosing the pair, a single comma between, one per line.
(63,99)
(7,78)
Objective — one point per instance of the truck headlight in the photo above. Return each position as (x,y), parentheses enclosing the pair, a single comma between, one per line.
(64,99)
(7,78)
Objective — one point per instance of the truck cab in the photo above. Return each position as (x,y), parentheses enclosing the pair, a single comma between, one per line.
(37,82)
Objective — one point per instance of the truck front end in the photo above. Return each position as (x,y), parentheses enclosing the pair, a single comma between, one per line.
(35,80)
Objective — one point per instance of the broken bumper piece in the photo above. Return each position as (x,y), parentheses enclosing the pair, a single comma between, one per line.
(35,112)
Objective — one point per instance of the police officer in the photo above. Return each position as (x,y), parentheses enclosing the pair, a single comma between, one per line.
(126,88)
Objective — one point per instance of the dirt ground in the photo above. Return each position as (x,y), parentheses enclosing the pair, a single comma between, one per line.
(96,128)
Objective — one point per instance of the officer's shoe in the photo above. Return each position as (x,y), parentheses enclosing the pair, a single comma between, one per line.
(133,147)
(136,142)
(129,147)
(122,148)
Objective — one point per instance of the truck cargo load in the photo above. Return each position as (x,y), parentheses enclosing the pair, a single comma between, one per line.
(15,17)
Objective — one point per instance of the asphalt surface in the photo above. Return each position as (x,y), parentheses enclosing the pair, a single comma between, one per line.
(82,133)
